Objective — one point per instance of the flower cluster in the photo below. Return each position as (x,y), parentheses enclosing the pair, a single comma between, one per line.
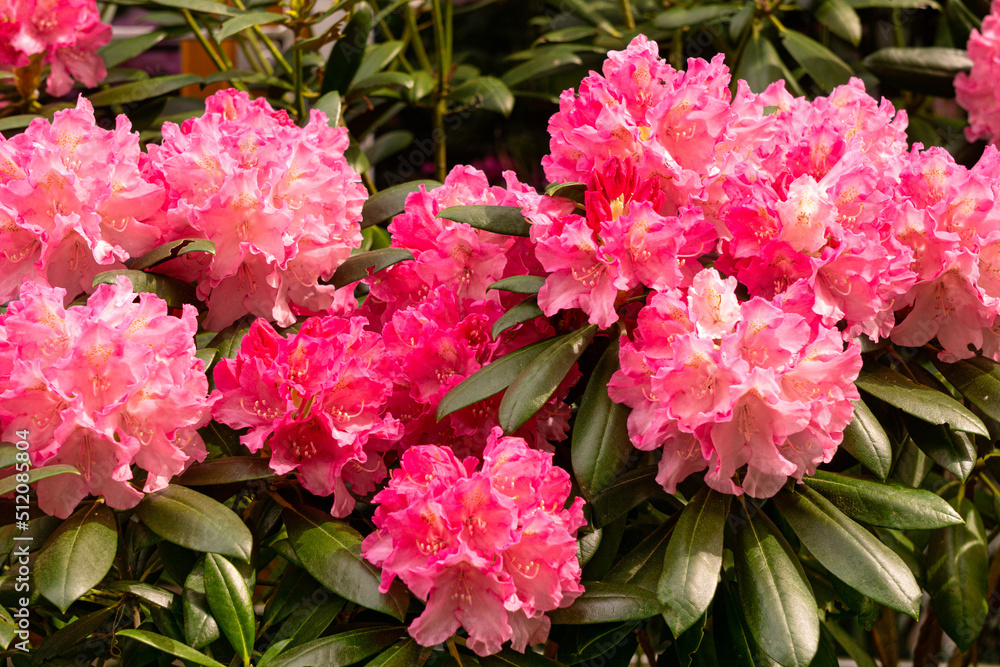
(280,202)
(73,202)
(63,33)
(976,91)
(490,550)
(102,387)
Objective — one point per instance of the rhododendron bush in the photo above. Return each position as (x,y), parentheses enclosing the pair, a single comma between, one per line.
(716,385)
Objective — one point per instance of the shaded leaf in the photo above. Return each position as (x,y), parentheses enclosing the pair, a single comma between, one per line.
(169,251)
(819,62)
(204,6)
(604,602)
(120,50)
(175,292)
(485,92)
(148,592)
(346,55)
(8,484)
(841,19)
(143,90)
(506,220)
(525,311)
(340,650)
(643,565)
(954,451)
(866,441)
(331,105)
(239,23)
(403,653)
(760,65)
(626,492)
(200,626)
(388,144)
(978,379)
(930,69)
(170,646)
(195,521)
(547,63)
(387,204)
(684,17)
(226,470)
(68,636)
(361,266)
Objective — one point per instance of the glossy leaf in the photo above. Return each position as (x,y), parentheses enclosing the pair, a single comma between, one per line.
(822,64)
(387,204)
(161,597)
(175,292)
(866,441)
(849,551)
(626,492)
(241,23)
(842,20)
(643,565)
(387,144)
(368,263)
(170,646)
(200,626)
(957,565)
(331,105)
(693,560)
(294,592)
(403,653)
(226,470)
(506,220)
(70,635)
(886,505)
(928,69)
(544,64)
(8,484)
(77,555)
(169,251)
(605,602)
(760,64)
(485,92)
(519,284)
(376,58)
(121,50)
(600,447)
(340,650)
(684,17)
(955,451)
(309,621)
(919,400)
(492,378)
(525,311)
(533,387)
(346,55)
(377,84)
(733,644)
(195,521)
(777,599)
(145,89)
(231,604)
(977,379)
(330,550)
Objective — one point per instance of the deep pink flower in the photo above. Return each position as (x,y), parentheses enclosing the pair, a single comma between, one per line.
(976,91)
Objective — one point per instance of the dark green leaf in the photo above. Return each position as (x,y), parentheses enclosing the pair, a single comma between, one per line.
(120,50)
(849,551)
(583,9)
(171,647)
(376,57)
(511,658)
(330,550)
(200,626)
(626,492)
(643,565)
(377,82)
(961,21)
(819,62)
(8,628)
(8,484)
(148,592)
(850,646)
(228,341)
(240,23)
(929,69)
(309,621)
(229,598)
(207,356)
(894,4)
(573,191)
(547,63)
(733,644)
(67,637)
(169,251)
(195,521)
(387,204)
(600,447)
(346,55)
(741,20)
(525,311)
(226,470)
(142,90)
(604,602)
(204,6)
(760,65)
(954,451)
(886,505)
(403,653)
(367,263)
(497,219)
(175,292)
(607,551)
(77,555)
(978,379)
(692,562)
(866,441)
(519,284)
(777,599)
(292,594)
(921,401)
(841,19)
(535,385)
(684,17)
(388,144)
(340,650)
(492,378)
(331,105)
(485,92)
(957,565)
(272,652)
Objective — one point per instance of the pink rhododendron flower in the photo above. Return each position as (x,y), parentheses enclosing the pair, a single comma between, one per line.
(280,202)
(317,400)
(489,549)
(73,202)
(102,387)
(976,91)
(721,385)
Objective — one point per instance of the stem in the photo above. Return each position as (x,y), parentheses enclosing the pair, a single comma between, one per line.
(454,651)
(255,43)
(280,59)
(442,39)
(627,14)
(418,44)
(300,101)
(196,29)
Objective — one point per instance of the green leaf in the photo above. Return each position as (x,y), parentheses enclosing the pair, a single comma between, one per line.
(346,55)
(777,599)
(525,311)
(519,284)
(403,653)
(367,263)
(760,65)
(733,644)
(849,551)
(331,105)
(929,69)
(376,58)
(121,50)
(841,19)
(200,626)
(77,555)
(195,521)
(961,21)
(492,378)
(169,251)
(228,341)
(69,636)
(921,401)
(148,592)
(170,646)
(957,566)
(340,650)
(977,379)
(819,62)
(17,122)
(308,622)
(583,9)
(204,6)
(535,385)
(372,85)
(547,63)
(600,447)
(142,90)
(292,595)
(8,484)
(240,23)
(387,204)
(231,605)
(894,4)
(330,550)
(866,441)
(485,92)
(605,602)
(226,470)
(388,144)
(643,565)
(497,219)
(175,292)
(885,505)
(684,17)
(850,646)
(741,20)
(954,451)
(272,652)
(626,492)
(693,560)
